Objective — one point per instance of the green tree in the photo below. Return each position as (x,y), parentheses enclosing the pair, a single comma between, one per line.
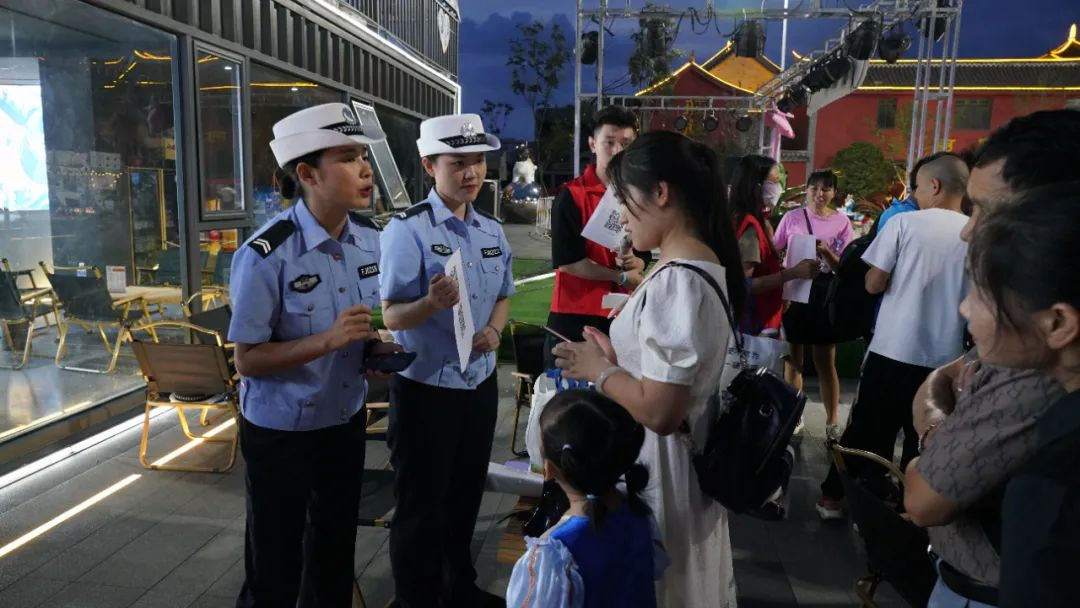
(495,114)
(863,170)
(537,59)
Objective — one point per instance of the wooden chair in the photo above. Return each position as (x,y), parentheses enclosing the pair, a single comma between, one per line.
(197,372)
(87,302)
(528,342)
(13,313)
(896,549)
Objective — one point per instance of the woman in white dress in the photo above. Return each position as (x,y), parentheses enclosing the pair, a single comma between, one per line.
(667,348)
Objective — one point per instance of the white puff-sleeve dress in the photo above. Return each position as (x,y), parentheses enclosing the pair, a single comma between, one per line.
(679,334)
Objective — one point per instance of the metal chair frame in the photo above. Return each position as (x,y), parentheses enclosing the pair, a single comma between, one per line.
(34,293)
(123,321)
(153,399)
(866,586)
(524,389)
(16,302)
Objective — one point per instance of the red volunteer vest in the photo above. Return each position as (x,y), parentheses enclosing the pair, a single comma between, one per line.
(767,309)
(574,295)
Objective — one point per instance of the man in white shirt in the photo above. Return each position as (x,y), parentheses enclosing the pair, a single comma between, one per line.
(917,261)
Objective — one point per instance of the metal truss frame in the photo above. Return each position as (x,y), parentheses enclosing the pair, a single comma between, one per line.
(890,12)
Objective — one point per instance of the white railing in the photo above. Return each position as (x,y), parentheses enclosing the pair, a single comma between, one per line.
(543,215)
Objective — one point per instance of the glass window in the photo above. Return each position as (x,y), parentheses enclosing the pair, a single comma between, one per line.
(1072,103)
(401,133)
(275,95)
(221,166)
(88,181)
(972,114)
(886,113)
(393,191)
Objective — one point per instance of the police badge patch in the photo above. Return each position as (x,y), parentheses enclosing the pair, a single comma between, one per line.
(491,252)
(305,283)
(441,249)
(370,270)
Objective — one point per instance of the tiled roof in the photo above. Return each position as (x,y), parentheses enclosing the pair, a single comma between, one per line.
(1035,74)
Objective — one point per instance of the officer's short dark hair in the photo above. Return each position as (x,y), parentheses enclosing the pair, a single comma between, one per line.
(1038,149)
(616,116)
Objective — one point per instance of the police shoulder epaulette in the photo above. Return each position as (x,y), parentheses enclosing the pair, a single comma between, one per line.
(266,242)
(487,215)
(413,211)
(364,221)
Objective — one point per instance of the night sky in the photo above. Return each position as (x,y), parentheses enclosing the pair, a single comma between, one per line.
(989,28)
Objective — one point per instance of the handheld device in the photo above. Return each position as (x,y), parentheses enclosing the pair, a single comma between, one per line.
(557,334)
(390,362)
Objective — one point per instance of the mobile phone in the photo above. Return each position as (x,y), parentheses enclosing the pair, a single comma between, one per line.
(390,362)
(557,334)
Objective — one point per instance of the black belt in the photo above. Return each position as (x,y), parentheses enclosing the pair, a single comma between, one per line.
(963,585)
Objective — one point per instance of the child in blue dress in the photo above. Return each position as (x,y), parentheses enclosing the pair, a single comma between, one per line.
(606,550)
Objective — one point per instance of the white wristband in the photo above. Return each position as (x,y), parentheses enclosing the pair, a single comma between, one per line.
(604,375)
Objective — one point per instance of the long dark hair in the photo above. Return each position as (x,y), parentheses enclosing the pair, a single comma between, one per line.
(1013,249)
(747,183)
(692,170)
(594,442)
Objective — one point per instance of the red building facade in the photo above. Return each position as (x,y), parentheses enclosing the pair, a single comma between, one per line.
(987,94)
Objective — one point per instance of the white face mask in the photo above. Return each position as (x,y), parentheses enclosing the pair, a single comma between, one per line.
(770,194)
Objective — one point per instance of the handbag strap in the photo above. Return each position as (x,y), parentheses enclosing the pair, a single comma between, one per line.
(806,217)
(736,334)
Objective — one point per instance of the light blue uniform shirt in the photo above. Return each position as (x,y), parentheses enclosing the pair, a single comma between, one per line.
(417,244)
(291,280)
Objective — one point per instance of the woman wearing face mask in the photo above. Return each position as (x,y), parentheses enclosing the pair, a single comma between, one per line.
(755,190)
(1023,312)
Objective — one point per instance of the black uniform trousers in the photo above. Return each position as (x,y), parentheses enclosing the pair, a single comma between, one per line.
(440,445)
(303,498)
(882,407)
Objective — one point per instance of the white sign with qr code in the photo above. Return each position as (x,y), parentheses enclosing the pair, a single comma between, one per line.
(463,321)
(604,227)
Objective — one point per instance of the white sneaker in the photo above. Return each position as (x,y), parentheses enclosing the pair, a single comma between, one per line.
(799,427)
(833,432)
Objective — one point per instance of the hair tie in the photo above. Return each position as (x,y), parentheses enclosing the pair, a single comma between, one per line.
(590,497)
(567,447)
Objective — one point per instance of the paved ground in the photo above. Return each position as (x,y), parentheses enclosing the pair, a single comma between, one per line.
(176,539)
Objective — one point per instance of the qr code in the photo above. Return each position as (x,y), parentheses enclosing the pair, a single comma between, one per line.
(612,222)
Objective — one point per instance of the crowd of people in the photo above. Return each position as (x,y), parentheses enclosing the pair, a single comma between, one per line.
(975,256)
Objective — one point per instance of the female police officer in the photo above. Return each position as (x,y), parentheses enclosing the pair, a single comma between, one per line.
(302,292)
(442,419)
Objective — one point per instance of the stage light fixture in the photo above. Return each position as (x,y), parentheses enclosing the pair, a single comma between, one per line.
(749,39)
(892,47)
(743,123)
(711,123)
(681,123)
(829,71)
(589,47)
(861,42)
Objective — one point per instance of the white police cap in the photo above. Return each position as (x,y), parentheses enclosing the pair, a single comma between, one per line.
(455,134)
(320,127)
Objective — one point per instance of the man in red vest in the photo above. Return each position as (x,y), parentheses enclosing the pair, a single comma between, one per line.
(586,271)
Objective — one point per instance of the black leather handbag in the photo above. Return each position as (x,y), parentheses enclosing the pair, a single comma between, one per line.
(746,459)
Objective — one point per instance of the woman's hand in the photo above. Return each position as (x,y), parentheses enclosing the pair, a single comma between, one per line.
(486,340)
(603,341)
(827,255)
(382,348)
(580,360)
(806,269)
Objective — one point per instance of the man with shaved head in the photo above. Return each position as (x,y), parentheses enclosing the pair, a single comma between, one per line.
(917,262)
